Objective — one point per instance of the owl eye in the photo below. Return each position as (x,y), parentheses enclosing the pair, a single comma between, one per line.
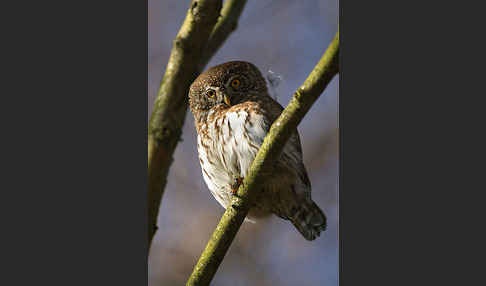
(211,93)
(235,83)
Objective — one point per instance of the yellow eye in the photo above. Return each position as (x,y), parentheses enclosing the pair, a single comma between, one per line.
(211,93)
(235,83)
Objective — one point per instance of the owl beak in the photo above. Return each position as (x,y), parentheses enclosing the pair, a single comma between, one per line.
(226,100)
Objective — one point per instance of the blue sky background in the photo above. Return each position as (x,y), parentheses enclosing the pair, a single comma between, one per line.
(287,37)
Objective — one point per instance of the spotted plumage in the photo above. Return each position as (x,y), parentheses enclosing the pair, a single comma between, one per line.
(233,113)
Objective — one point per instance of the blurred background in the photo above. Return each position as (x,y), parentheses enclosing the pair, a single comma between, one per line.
(286,37)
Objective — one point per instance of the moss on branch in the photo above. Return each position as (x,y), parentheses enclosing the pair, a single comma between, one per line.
(270,150)
(203,31)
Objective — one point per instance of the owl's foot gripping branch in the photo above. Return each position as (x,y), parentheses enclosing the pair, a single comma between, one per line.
(237,183)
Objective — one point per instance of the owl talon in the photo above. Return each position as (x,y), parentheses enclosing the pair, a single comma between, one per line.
(236,184)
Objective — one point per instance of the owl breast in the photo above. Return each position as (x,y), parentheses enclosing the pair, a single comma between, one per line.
(227,144)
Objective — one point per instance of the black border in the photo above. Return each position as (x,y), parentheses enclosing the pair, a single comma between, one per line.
(83,206)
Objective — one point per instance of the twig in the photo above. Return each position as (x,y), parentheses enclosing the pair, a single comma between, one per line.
(268,153)
(198,31)
(228,22)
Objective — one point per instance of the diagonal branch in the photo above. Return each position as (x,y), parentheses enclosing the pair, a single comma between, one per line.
(201,34)
(230,13)
(269,152)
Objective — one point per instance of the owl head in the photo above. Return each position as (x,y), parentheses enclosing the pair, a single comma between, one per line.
(226,85)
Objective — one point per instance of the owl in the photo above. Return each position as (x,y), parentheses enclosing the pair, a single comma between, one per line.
(233,113)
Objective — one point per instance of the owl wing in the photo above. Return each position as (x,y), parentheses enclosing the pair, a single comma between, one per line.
(293,200)
(291,157)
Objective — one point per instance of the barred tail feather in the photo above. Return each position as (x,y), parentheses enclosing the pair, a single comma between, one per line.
(309,220)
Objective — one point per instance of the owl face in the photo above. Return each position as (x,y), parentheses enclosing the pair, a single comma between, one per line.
(227,84)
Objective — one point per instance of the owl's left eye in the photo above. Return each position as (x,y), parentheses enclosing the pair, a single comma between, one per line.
(235,83)
(211,93)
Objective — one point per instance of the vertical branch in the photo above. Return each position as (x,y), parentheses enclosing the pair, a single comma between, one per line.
(268,153)
(170,105)
(204,30)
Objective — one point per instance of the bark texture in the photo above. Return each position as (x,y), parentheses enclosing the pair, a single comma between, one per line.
(204,30)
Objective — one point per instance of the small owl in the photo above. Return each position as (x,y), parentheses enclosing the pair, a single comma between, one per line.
(233,113)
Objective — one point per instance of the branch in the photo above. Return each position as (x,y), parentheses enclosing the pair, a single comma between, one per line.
(199,30)
(268,153)
(226,24)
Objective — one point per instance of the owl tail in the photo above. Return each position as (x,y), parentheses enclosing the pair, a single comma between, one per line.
(309,219)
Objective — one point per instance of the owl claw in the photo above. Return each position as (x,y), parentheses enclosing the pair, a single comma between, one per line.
(236,184)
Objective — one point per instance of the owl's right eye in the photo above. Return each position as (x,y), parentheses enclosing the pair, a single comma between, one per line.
(211,93)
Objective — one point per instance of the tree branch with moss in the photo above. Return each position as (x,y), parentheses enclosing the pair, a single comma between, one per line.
(202,33)
(269,152)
